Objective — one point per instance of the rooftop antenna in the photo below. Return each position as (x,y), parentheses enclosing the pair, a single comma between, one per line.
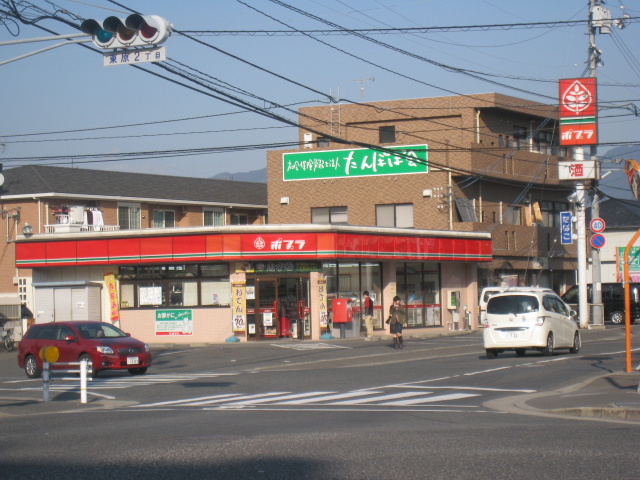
(362,81)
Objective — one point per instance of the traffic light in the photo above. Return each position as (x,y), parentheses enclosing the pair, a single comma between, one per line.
(134,31)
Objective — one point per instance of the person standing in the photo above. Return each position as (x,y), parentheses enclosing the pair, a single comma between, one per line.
(368,313)
(397,318)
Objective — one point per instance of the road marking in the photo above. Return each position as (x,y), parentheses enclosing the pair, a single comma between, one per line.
(380,398)
(310,346)
(438,398)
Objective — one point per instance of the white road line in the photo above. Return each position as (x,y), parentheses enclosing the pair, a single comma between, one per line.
(431,387)
(209,402)
(379,398)
(310,346)
(254,401)
(177,402)
(330,397)
(438,398)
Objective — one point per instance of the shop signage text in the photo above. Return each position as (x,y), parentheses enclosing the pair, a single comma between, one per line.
(360,162)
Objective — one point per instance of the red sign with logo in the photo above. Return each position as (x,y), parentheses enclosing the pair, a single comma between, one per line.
(279,243)
(578,111)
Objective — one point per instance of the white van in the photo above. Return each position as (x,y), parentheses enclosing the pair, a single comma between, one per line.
(530,320)
(488,292)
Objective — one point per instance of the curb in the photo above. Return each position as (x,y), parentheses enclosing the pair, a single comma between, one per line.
(628,414)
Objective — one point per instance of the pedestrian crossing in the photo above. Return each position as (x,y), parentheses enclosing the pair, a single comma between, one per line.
(387,398)
(115,382)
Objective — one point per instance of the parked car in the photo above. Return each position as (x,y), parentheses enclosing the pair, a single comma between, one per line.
(612,299)
(488,292)
(533,320)
(107,347)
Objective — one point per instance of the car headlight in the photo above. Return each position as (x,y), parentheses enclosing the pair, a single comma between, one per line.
(105,349)
(146,348)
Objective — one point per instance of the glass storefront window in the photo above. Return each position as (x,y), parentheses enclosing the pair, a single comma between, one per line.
(418,285)
(161,286)
(349,280)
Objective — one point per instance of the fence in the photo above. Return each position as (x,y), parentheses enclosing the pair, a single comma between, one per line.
(83,370)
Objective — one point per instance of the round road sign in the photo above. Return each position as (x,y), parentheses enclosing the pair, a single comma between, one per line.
(50,354)
(597,225)
(597,240)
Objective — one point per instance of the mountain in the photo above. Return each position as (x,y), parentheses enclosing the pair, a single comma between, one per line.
(259,176)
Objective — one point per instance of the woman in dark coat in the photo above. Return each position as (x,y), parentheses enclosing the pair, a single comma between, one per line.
(397,318)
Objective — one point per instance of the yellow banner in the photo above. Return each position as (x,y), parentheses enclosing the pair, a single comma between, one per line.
(239,306)
(114,311)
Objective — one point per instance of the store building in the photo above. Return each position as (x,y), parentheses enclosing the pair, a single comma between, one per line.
(465,193)
(482,163)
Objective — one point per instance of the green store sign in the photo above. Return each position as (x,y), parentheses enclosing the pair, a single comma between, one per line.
(359,162)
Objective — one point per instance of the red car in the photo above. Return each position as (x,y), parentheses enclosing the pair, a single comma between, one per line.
(108,347)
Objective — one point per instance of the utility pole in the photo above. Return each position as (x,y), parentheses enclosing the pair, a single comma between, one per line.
(597,312)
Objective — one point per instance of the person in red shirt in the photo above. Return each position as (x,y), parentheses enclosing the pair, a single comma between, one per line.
(368,313)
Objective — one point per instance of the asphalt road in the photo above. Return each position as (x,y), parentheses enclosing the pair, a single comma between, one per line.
(342,409)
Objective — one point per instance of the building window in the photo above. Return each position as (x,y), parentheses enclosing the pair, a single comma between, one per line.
(519,138)
(329,215)
(129,217)
(513,215)
(400,216)
(550,212)
(162,286)
(543,143)
(213,217)
(239,219)
(164,218)
(387,134)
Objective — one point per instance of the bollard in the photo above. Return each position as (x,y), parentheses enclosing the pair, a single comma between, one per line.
(45,381)
(84,366)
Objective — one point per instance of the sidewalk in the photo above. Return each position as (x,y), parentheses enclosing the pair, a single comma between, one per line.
(612,396)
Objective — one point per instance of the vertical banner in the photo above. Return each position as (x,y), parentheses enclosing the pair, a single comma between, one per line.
(239,306)
(322,301)
(578,111)
(114,311)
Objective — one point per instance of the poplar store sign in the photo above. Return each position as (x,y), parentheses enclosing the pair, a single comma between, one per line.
(359,162)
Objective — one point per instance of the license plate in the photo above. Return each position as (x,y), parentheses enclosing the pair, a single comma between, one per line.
(133,360)
(511,335)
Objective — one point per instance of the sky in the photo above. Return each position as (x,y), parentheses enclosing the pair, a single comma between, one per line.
(65,103)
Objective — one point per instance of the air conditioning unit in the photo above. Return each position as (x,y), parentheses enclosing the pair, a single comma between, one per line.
(308,140)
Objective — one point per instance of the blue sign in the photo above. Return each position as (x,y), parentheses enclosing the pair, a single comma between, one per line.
(566,232)
(597,240)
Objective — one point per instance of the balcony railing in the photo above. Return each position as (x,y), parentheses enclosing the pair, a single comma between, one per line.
(64,225)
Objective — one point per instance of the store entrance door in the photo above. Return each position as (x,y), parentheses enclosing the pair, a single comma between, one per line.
(280,307)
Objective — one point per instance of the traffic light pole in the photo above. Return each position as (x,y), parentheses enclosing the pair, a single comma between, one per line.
(45,39)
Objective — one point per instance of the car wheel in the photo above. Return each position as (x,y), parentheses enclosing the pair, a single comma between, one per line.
(31,367)
(491,354)
(91,372)
(548,350)
(520,352)
(576,343)
(8,343)
(138,371)
(617,317)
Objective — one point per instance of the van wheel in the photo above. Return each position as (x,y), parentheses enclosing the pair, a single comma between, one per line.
(617,317)
(491,354)
(520,352)
(576,343)
(548,350)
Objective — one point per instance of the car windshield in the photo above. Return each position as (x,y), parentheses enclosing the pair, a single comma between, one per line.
(104,330)
(513,304)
